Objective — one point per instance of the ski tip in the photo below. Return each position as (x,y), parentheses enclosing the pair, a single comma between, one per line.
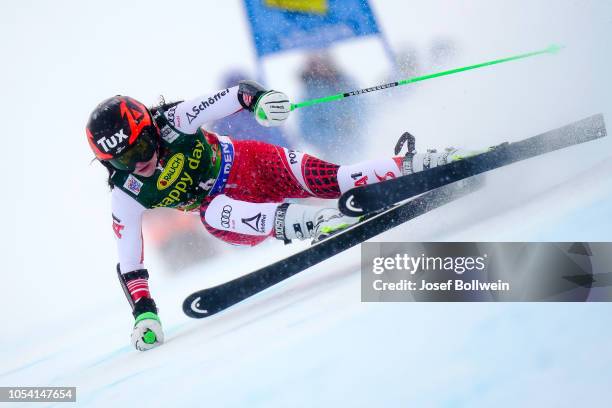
(554,48)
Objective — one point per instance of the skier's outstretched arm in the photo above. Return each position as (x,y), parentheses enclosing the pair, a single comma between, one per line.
(127,225)
(271,108)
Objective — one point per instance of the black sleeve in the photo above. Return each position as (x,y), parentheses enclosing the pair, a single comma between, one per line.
(248,94)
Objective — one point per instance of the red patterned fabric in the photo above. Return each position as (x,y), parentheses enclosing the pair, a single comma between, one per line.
(138,288)
(321,177)
(260,175)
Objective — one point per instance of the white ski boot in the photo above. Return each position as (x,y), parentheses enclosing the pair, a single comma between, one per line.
(297,221)
(414,162)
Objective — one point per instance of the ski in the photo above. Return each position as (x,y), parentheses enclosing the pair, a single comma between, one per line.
(207,302)
(366,199)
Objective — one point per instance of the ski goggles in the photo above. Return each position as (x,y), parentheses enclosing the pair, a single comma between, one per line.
(141,151)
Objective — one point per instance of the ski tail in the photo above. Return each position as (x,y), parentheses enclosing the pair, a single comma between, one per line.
(363,200)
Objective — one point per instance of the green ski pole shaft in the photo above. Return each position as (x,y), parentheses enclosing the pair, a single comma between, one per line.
(550,50)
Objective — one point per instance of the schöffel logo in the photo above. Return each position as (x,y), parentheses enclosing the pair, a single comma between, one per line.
(205,104)
(171,171)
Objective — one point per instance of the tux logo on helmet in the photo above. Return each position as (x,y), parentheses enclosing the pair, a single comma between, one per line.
(110,143)
(116,124)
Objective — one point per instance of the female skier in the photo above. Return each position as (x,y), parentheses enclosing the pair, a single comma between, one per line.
(162,157)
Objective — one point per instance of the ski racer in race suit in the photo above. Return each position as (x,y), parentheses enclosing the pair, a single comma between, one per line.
(163,157)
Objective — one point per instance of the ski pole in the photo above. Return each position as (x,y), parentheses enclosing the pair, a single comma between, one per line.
(550,50)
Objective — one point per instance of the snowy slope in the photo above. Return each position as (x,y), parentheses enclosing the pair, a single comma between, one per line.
(309,341)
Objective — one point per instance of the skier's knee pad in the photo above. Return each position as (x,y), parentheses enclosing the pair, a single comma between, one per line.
(226,214)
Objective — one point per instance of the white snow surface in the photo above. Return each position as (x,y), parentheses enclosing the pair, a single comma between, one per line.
(308,341)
